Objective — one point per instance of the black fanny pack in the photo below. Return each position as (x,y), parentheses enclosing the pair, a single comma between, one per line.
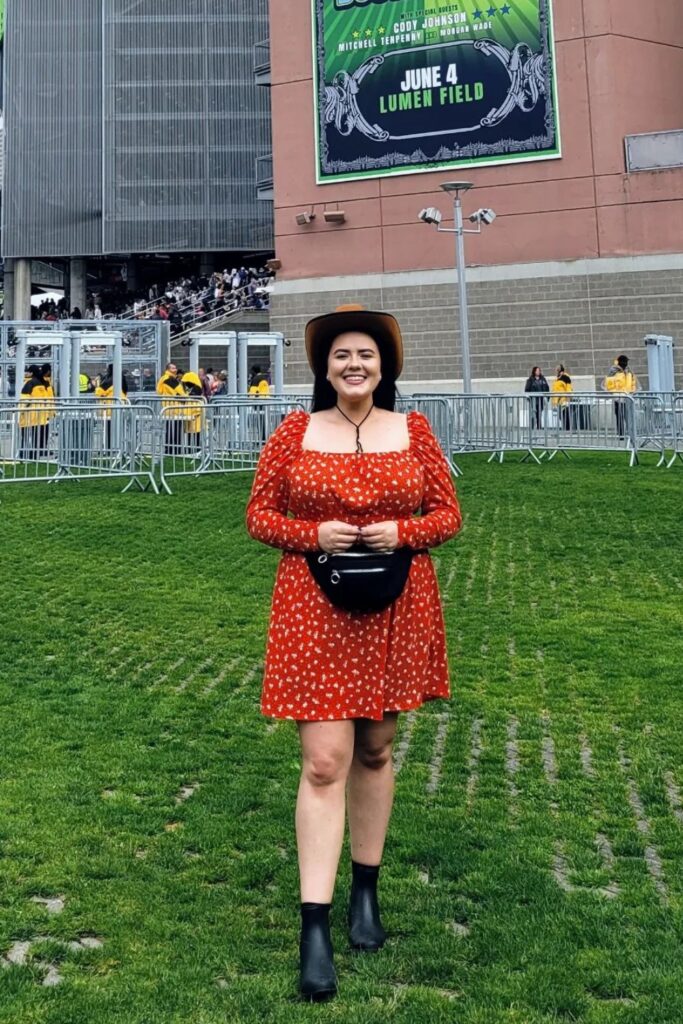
(360,579)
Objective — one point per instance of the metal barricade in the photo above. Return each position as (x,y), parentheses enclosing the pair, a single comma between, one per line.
(154,438)
(241,428)
(54,440)
(550,424)
(437,411)
(181,438)
(489,423)
(589,422)
(304,400)
(221,437)
(654,424)
(677,429)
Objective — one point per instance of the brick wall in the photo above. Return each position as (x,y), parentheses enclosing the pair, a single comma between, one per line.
(582,320)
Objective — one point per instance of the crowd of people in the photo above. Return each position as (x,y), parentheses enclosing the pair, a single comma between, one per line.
(51,311)
(189,300)
(180,303)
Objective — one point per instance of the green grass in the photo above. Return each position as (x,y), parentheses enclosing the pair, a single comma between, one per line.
(131,633)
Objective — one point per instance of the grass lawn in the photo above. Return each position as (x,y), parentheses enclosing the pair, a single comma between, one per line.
(534,869)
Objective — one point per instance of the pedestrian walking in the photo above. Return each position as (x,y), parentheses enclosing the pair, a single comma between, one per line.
(536,384)
(356,632)
(621,381)
(562,387)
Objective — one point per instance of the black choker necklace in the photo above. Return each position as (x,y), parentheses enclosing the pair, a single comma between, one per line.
(359,446)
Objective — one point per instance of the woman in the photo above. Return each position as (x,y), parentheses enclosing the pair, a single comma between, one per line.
(536,384)
(354,471)
(562,385)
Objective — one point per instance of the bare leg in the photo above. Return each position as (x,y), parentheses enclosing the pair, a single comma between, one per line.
(327,751)
(371,788)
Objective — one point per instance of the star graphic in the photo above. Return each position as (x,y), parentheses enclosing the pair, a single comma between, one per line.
(368,32)
(381,29)
(491,11)
(355,35)
(477,15)
(505,9)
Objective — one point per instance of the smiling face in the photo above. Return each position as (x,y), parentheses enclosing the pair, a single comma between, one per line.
(354,366)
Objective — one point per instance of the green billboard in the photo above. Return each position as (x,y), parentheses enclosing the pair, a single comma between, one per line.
(417,85)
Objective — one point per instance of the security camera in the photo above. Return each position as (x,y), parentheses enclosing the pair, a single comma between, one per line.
(304,218)
(483,216)
(430,216)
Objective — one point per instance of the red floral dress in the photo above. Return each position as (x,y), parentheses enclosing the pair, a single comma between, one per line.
(323,663)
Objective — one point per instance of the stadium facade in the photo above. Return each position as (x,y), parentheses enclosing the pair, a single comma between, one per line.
(132,126)
(566,117)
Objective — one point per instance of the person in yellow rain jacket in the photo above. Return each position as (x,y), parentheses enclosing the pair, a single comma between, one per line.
(170,384)
(194,410)
(621,381)
(561,388)
(105,393)
(34,423)
(259,388)
(258,383)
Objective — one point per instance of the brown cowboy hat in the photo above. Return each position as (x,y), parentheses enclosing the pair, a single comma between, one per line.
(383,327)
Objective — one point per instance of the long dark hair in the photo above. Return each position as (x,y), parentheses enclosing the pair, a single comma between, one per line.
(384,395)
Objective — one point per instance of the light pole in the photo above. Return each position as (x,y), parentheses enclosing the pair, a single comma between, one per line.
(433,216)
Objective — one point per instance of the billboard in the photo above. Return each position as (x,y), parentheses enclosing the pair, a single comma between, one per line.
(416,85)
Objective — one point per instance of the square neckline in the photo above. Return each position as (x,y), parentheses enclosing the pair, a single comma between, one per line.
(388,451)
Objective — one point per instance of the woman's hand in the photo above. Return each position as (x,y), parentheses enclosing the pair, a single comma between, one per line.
(380,536)
(335,536)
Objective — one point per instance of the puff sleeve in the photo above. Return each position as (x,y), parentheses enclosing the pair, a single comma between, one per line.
(441,518)
(267,518)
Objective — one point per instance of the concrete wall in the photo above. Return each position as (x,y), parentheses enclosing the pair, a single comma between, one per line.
(581,313)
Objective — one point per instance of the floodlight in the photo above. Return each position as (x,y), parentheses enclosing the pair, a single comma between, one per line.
(334,216)
(430,216)
(485,216)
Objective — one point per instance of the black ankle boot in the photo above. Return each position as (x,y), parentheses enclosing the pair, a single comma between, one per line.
(318,980)
(365,928)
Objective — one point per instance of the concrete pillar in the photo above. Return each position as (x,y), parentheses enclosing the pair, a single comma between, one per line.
(22,289)
(132,276)
(78,290)
(8,307)
(206,261)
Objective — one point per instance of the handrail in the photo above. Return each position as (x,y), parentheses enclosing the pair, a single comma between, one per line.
(195,321)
